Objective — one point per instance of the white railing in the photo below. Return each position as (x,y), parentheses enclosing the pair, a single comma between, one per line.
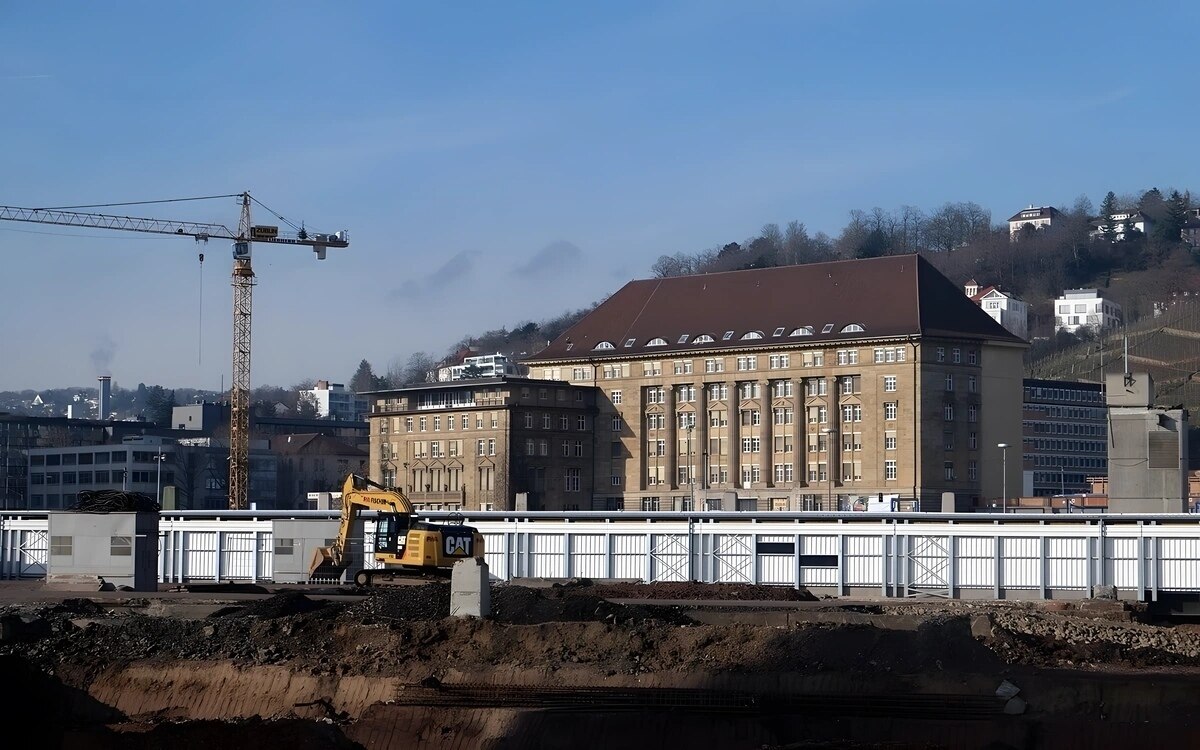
(951,555)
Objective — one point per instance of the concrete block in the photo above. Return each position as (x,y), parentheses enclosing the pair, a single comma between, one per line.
(470,589)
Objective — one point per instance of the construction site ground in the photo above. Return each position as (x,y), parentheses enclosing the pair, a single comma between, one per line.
(584,664)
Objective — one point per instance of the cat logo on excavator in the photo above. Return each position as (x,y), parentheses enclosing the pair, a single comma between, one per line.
(456,545)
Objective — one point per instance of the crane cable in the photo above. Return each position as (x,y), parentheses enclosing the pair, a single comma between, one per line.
(139,203)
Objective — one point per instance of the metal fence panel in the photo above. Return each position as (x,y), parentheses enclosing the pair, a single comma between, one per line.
(629,555)
(589,556)
(547,558)
(1066,563)
(863,563)
(1178,564)
(1121,561)
(1021,563)
(976,560)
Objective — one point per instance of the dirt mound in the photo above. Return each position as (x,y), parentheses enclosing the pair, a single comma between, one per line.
(425,602)
(687,590)
(78,607)
(519,605)
(286,604)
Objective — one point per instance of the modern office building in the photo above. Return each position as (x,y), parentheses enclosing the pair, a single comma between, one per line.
(336,401)
(1064,437)
(1085,308)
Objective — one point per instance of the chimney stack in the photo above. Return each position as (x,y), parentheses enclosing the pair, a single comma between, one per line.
(104,401)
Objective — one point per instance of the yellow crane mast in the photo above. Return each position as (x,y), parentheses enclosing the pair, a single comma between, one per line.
(243,286)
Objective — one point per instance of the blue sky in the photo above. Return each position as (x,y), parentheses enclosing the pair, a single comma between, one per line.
(502,162)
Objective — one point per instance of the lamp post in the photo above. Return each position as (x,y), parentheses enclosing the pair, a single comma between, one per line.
(1003,476)
(159,458)
(1062,478)
(691,470)
(829,436)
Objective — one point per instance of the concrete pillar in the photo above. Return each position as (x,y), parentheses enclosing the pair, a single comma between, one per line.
(470,589)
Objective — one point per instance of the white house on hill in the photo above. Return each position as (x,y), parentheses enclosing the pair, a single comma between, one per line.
(1041,218)
(1003,307)
(1085,308)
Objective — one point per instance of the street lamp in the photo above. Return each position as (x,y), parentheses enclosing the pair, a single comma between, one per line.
(690,470)
(1004,476)
(159,457)
(829,433)
(1062,478)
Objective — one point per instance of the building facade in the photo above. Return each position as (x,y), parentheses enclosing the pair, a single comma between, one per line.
(1002,307)
(336,401)
(1122,223)
(1065,437)
(487,444)
(481,366)
(1085,308)
(816,387)
(313,463)
(1037,218)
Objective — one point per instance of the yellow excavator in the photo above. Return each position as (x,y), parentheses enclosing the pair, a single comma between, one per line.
(403,543)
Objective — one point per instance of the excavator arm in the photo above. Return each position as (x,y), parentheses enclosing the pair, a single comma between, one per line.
(358,494)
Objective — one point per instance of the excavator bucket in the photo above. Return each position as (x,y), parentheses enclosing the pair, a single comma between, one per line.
(323,565)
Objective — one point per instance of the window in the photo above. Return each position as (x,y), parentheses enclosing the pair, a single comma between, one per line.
(971,357)
(751,335)
(803,331)
(948,470)
(972,384)
(949,382)
(530,447)
(687,419)
(424,423)
(656,421)
(120,546)
(889,469)
(714,365)
(581,423)
(779,361)
(604,345)
(751,444)
(657,342)
(751,417)
(616,424)
(686,393)
(615,396)
(683,367)
(948,412)
(941,354)
(546,419)
(899,351)
(781,389)
(579,373)
(972,440)
(615,479)
(747,363)
(783,415)
(543,447)
(564,422)
(827,328)
(655,396)
(850,384)
(716,418)
(529,420)
(889,383)
(749,390)
(853,328)
(728,335)
(889,441)
(956,355)
(577,447)
(491,446)
(718,391)
(650,503)
(629,343)
(703,338)
(948,440)
(651,369)
(480,448)
(659,448)
(972,413)
(972,470)
(783,472)
(889,410)
(751,474)
(571,480)
(847,356)
(60,546)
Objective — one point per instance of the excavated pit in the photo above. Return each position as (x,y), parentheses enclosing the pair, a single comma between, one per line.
(566,667)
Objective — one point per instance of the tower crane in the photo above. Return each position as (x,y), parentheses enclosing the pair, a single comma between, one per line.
(243,286)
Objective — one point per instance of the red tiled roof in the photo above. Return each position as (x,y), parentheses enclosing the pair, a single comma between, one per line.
(890,297)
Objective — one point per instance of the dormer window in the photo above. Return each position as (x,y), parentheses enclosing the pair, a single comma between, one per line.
(604,345)
(853,328)
(803,331)
(657,342)
(570,346)
(629,342)
(827,328)
(778,331)
(749,335)
(728,335)
(703,338)
(684,338)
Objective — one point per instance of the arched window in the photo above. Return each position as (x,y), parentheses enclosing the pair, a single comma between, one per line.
(803,331)
(605,345)
(853,328)
(657,342)
(751,335)
(703,338)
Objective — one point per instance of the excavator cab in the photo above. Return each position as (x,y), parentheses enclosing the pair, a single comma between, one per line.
(391,533)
